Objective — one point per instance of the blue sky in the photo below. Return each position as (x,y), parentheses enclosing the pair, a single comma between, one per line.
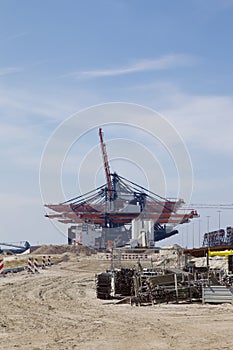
(59,57)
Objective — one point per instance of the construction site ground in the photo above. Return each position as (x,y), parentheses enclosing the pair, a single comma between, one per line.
(58,309)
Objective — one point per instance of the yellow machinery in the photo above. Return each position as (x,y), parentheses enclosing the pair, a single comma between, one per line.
(224,253)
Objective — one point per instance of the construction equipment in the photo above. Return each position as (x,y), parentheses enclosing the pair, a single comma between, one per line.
(15,248)
(120,202)
(224,253)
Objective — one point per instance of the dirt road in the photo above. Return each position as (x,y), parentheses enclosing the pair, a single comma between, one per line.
(58,309)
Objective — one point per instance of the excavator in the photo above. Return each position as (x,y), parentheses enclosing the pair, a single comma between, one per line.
(118,202)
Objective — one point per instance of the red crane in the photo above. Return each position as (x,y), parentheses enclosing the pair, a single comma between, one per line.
(106,165)
(130,201)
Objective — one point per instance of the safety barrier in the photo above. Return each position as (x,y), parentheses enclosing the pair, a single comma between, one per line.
(217,294)
(1,267)
(134,256)
(126,256)
(43,261)
(30,265)
(36,266)
(33,265)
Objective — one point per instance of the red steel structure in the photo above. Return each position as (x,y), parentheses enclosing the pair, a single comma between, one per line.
(118,202)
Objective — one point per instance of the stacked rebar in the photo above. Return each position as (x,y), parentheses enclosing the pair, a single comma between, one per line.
(103,285)
(124,282)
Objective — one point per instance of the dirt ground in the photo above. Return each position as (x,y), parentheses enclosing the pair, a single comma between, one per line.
(58,309)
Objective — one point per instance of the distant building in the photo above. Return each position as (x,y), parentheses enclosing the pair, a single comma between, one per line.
(142,233)
(84,234)
(98,237)
(218,237)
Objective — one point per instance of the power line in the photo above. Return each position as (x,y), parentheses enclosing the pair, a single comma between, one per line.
(211,206)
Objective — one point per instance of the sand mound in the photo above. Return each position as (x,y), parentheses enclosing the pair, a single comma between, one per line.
(57,309)
(61,249)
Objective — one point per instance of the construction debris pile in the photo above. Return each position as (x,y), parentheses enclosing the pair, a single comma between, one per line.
(104,285)
(166,288)
(147,286)
(124,282)
(119,281)
(157,285)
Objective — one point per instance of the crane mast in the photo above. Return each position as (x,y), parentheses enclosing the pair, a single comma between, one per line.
(106,165)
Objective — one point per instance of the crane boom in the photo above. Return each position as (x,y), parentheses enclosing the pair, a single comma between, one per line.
(106,165)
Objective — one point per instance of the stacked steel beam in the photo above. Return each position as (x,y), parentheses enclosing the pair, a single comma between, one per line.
(103,285)
(124,282)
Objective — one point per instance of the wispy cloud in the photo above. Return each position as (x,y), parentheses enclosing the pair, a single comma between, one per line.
(9,70)
(20,104)
(162,63)
(13,37)
(204,121)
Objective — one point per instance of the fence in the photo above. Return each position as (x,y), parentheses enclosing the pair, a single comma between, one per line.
(217,294)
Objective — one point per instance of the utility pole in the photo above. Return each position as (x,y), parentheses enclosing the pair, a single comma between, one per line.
(207,257)
(219,222)
(193,235)
(208,229)
(199,233)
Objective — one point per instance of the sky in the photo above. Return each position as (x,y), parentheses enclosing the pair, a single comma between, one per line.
(61,58)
